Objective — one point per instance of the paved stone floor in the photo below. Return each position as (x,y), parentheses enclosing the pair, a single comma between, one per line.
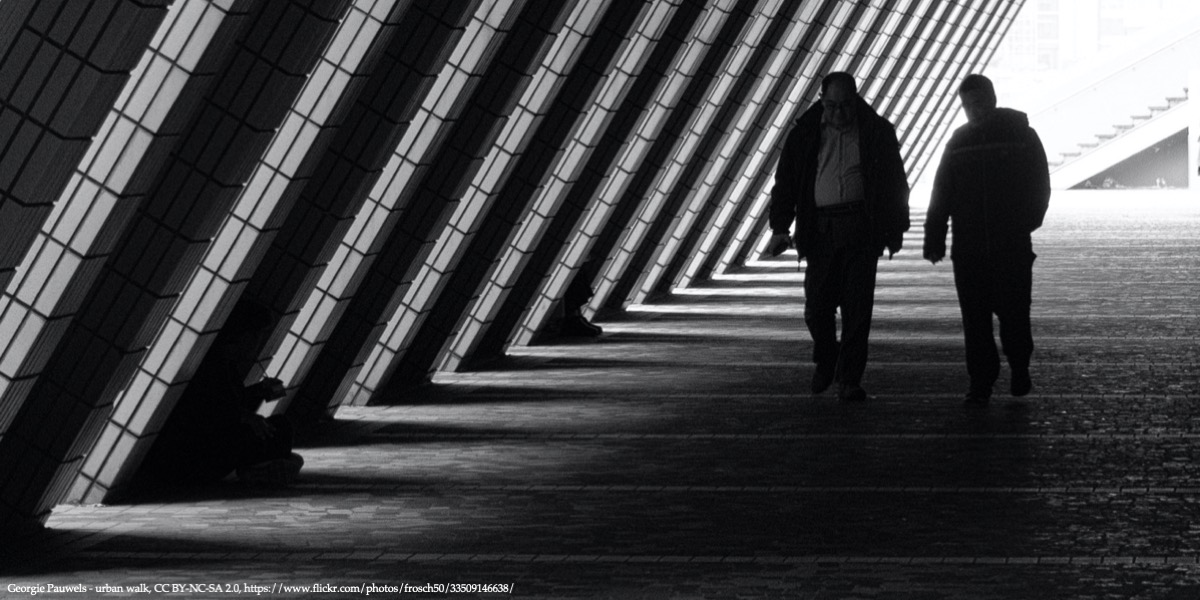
(680,456)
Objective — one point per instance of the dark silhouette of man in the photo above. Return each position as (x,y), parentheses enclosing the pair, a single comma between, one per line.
(214,429)
(993,184)
(841,182)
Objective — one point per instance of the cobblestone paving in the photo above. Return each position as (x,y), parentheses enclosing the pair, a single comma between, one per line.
(680,456)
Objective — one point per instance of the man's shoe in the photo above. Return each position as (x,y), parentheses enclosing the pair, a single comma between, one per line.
(1021,384)
(852,393)
(822,378)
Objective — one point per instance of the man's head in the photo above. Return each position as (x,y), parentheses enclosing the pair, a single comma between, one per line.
(978,97)
(839,97)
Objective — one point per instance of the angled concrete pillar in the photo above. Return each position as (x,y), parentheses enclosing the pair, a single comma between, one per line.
(498,199)
(159,248)
(941,78)
(544,266)
(623,230)
(992,22)
(288,166)
(62,64)
(511,43)
(560,93)
(672,232)
(292,277)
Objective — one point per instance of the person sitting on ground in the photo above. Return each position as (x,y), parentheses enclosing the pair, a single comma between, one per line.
(215,429)
(577,294)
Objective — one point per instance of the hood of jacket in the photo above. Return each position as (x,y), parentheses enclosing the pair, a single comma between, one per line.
(1004,119)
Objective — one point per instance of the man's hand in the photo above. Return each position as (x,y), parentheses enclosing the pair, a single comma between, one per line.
(934,256)
(778,243)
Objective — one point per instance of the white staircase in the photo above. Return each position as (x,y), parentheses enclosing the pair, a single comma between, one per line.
(1140,94)
(1156,123)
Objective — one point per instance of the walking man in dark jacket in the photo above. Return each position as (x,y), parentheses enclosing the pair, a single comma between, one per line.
(994,185)
(842,183)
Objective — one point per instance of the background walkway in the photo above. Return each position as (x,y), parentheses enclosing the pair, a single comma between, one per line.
(681,456)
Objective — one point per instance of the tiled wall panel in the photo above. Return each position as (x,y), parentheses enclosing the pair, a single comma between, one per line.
(532,275)
(316,261)
(437,199)
(62,64)
(289,162)
(162,240)
(663,211)
(562,89)
(748,199)
(667,131)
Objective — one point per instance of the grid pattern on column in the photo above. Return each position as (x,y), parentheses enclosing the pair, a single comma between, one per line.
(603,83)
(164,240)
(905,25)
(924,80)
(697,76)
(351,275)
(637,76)
(650,240)
(495,201)
(62,64)
(180,345)
(821,40)
(906,54)
(352,286)
(943,74)
(825,53)
(924,48)
(322,227)
(1000,16)
(622,174)
(49,238)
(506,49)
(89,216)
(472,288)
(750,214)
(743,155)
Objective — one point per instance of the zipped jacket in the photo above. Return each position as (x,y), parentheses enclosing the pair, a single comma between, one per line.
(885,184)
(993,183)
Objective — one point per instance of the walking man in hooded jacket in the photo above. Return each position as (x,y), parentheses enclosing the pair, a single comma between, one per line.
(994,185)
(841,182)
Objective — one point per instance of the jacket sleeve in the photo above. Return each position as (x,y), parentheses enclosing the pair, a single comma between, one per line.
(1040,178)
(898,220)
(786,191)
(937,216)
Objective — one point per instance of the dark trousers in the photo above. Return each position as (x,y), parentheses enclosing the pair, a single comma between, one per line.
(840,275)
(998,284)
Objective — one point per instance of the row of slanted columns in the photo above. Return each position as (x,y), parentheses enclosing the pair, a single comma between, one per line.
(406,186)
